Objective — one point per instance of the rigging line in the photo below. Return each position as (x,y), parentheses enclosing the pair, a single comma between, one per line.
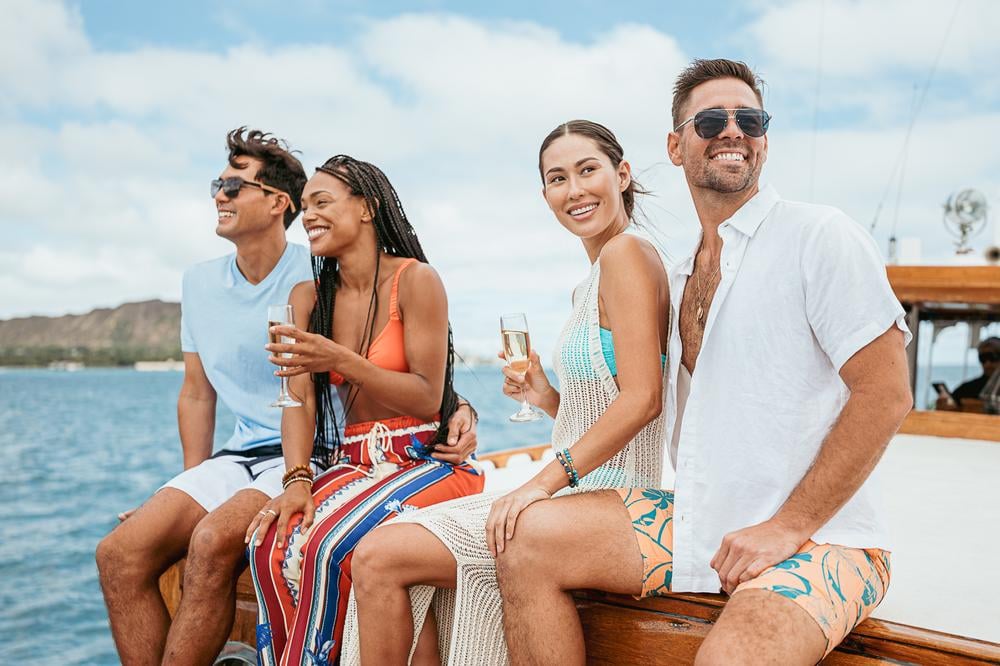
(819,81)
(913,118)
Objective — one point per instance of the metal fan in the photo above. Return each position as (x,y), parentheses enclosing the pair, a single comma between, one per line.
(965,216)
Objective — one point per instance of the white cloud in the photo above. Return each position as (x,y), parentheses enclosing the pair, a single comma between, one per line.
(866,39)
(107,198)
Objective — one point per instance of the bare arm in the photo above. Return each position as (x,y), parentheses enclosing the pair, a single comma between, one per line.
(195,412)
(880,399)
(417,392)
(634,292)
(298,430)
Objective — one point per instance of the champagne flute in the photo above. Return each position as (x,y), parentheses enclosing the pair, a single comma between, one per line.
(278,315)
(517,351)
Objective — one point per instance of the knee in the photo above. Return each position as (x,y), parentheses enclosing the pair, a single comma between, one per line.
(524,558)
(378,561)
(213,551)
(116,560)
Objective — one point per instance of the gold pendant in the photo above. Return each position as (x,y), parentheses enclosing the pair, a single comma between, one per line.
(699,314)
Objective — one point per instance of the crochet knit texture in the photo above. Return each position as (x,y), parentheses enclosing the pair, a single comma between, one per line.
(470,617)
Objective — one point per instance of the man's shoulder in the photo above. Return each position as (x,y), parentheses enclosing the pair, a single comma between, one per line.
(805,214)
(208,268)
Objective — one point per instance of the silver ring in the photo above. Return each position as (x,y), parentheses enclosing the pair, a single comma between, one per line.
(269,511)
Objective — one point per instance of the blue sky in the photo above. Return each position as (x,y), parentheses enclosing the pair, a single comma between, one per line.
(114,115)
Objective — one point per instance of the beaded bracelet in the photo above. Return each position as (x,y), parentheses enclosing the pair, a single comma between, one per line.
(297,470)
(565,459)
(296,479)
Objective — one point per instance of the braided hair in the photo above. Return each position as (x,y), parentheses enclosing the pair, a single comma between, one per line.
(395,236)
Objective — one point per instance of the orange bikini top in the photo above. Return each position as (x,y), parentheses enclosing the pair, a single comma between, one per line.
(387,350)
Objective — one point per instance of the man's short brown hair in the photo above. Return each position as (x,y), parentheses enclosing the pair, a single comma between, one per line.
(700,71)
(279,167)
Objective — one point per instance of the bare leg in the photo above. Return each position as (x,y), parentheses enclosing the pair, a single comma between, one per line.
(761,627)
(130,561)
(569,543)
(386,563)
(427,652)
(215,560)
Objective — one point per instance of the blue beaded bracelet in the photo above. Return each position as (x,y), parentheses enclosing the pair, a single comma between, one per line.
(566,460)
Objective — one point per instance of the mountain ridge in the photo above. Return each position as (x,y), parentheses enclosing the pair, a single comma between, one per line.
(141,331)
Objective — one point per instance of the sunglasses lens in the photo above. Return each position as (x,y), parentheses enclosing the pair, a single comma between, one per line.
(710,122)
(216,186)
(753,122)
(989,358)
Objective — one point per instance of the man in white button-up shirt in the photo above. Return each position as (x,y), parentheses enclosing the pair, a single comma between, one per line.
(788,377)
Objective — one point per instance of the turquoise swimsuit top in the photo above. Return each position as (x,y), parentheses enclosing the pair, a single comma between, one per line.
(608,349)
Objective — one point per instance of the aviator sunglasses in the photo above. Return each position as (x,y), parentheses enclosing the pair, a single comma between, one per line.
(989,357)
(231,188)
(709,123)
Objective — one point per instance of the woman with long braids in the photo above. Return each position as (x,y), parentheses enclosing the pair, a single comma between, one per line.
(608,431)
(380,314)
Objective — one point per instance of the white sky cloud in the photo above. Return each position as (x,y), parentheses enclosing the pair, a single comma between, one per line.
(108,154)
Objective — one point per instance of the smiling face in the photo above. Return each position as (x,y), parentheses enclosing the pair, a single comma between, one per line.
(583,188)
(249,212)
(333,217)
(730,162)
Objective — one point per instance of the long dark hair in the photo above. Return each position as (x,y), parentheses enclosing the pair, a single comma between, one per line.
(607,142)
(395,236)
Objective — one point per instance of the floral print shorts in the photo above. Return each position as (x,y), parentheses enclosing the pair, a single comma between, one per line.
(839,587)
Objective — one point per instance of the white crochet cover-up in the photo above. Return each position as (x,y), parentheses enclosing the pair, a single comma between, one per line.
(470,617)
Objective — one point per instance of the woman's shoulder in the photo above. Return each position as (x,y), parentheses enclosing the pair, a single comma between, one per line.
(628,252)
(305,290)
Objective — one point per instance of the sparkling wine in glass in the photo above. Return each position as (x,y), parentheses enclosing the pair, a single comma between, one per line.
(517,351)
(278,315)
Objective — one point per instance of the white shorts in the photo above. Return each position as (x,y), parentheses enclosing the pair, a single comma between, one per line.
(216,480)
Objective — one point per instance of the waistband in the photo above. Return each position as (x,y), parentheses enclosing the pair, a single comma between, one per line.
(399,440)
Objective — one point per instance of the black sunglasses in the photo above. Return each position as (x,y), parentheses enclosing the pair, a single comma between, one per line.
(989,357)
(710,123)
(231,188)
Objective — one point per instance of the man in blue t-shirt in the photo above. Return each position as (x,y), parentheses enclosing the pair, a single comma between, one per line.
(203,512)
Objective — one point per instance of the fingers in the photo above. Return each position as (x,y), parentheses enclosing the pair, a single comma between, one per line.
(499,529)
(509,527)
(125,514)
(457,424)
(307,517)
(516,377)
(286,361)
(290,331)
(280,529)
(291,372)
(491,541)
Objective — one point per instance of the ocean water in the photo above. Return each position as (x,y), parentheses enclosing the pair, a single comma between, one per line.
(76,448)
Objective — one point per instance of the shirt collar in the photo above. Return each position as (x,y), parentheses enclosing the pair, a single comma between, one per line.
(746,220)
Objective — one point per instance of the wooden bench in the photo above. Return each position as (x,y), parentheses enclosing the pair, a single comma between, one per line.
(668,630)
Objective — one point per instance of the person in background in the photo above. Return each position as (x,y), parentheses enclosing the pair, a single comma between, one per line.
(373,326)
(202,512)
(974,389)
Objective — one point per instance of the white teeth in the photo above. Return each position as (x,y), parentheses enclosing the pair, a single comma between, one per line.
(316,232)
(226,213)
(583,209)
(729,157)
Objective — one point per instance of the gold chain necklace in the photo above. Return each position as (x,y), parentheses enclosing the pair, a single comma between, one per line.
(700,311)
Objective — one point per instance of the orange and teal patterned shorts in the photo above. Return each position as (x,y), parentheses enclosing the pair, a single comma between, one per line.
(839,587)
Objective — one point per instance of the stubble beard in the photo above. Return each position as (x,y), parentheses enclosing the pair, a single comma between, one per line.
(727,183)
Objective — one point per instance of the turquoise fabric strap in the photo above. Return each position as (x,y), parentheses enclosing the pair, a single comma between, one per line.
(608,349)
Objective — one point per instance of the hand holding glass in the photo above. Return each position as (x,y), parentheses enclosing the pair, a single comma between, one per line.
(517,351)
(276,316)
